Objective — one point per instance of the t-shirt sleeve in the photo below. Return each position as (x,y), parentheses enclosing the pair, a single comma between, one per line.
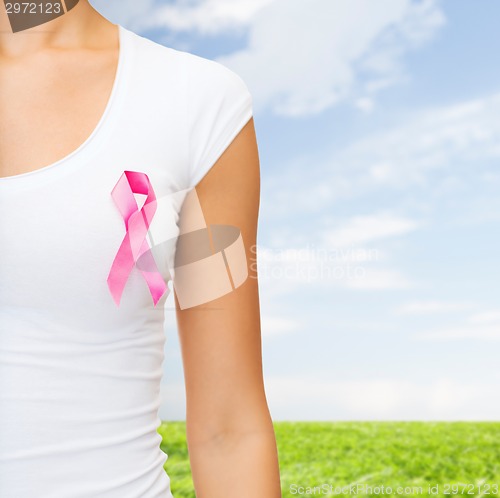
(219,105)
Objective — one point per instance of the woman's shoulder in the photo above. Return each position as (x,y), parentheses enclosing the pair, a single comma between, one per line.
(200,71)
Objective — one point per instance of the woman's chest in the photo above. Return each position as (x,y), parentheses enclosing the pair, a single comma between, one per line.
(49,107)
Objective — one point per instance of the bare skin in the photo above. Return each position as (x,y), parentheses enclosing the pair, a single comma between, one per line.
(42,70)
(230,433)
(231,439)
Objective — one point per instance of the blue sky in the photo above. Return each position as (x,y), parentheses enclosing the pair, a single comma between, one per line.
(379,138)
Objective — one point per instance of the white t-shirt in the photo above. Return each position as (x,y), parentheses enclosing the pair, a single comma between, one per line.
(79,374)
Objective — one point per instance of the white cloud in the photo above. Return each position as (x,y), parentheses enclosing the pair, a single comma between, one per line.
(435,153)
(343,257)
(427,143)
(365,104)
(484,326)
(428,307)
(206,17)
(486,317)
(485,333)
(379,279)
(275,325)
(308,397)
(313,398)
(368,228)
(129,13)
(304,57)
(284,271)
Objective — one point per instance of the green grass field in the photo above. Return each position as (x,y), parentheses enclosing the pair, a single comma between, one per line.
(461,458)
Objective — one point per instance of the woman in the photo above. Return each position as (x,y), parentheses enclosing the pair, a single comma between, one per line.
(100,129)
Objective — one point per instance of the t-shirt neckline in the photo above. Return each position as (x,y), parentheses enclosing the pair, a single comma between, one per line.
(123,47)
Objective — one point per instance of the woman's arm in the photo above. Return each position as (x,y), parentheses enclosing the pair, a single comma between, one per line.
(230,435)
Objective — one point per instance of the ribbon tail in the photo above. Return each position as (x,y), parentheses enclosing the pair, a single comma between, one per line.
(156,283)
(120,269)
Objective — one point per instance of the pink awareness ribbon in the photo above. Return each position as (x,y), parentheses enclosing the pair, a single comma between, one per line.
(134,244)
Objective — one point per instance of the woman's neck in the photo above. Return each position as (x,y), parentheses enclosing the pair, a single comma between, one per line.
(70,30)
